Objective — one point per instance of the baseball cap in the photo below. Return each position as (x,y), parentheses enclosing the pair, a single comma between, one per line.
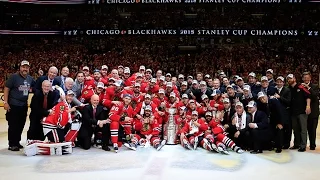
(181,76)
(207,76)
(252,74)
(183,108)
(149,70)
(260,94)
(85,68)
(194,112)
(190,77)
(162,78)
(137,85)
(184,83)
(281,78)
(161,91)
(112,79)
(104,67)
(264,78)
(96,70)
(194,82)
(126,71)
(148,108)
(203,83)
(191,101)
(184,96)
(24,62)
(117,83)
(239,104)
(239,79)
(127,95)
(139,75)
(172,94)
(169,84)
(100,85)
(215,92)
(153,80)
(229,86)
(142,68)
(291,76)
(221,73)
(168,74)
(269,71)
(246,87)
(147,96)
(120,67)
(70,92)
(208,113)
(204,96)
(252,104)
(226,100)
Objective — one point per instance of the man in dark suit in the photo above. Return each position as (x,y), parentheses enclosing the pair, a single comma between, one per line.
(229,111)
(266,88)
(275,112)
(284,96)
(52,73)
(62,78)
(314,115)
(259,127)
(94,118)
(239,130)
(78,84)
(41,104)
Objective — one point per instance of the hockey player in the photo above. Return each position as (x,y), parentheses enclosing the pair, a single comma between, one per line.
(150,88)
(121,114)
(148,131)
(137,96)
(190,132)
(219,134)
(54,124)
(88,93)
(113,94)
(180,121)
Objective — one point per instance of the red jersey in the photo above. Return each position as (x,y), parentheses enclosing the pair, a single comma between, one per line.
(145,88)
(151,128)
(119,111)
(59,118)
(111,95)
(191,129)
(180,122)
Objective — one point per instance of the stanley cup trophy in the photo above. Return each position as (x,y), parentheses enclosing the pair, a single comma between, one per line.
(170,128)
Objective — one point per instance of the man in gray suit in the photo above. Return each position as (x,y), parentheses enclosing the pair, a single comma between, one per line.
(78,84)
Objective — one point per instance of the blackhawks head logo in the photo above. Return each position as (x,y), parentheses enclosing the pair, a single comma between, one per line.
(116,98)
(125,114)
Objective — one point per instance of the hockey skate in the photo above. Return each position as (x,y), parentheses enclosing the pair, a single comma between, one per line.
(115,147)
(195,144)
(163,142)
(238,150)
(223,151)
(131,146)
(43,148)
(207,143)
(214,148)
(186,144)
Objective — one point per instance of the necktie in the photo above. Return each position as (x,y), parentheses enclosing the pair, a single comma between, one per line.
(227,116)
(81,86)
(45,101)
(94,113)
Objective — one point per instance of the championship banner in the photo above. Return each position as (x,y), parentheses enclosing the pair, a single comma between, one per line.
(171,32)
(47,1)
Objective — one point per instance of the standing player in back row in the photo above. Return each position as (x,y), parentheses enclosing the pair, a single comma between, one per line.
(16,93)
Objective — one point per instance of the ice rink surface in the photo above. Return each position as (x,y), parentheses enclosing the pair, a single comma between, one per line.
(172,162)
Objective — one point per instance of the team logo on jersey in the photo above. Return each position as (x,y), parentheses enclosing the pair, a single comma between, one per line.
(134,104)
(116,98)
(146,127)
(61,108)
(85,92)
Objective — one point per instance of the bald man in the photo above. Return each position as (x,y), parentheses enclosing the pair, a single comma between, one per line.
(51,77)
(41,104)
(94,121)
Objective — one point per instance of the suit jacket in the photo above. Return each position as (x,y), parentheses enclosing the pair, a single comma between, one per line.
(38,85)
(88,121)
(226,119)
(285,97)
(314,90)
(37,110)
(275,111)
(76,88)
(261,119)
(271,90)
